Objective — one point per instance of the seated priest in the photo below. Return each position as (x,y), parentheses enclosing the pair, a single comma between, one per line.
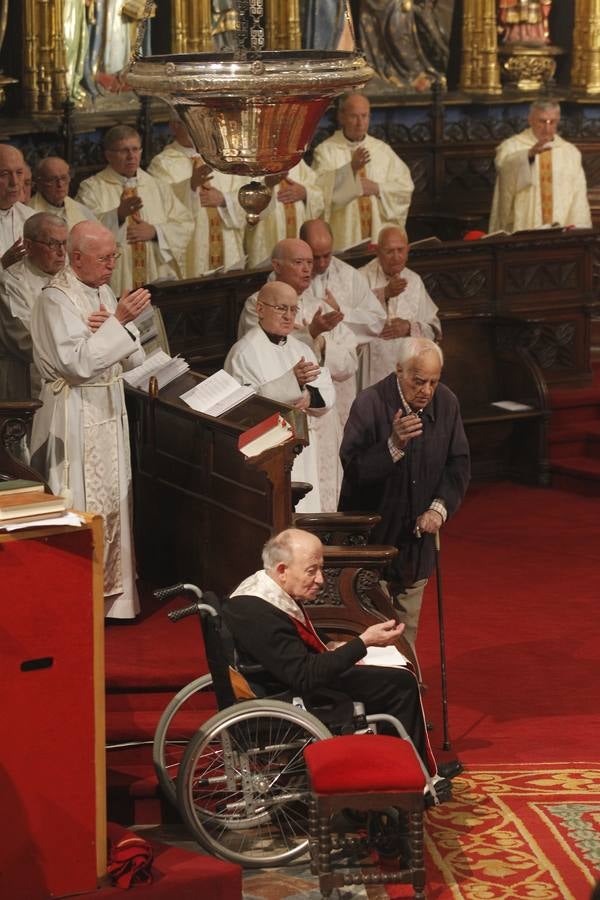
(406,457)
(409,310)
(270,627)
(284,369)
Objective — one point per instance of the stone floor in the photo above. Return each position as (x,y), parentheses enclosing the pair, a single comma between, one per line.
(294,882)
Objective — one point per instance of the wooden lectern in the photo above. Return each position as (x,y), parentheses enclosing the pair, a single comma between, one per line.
(52,765)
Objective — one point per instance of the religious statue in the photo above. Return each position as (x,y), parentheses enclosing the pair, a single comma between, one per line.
(99,37)
(524,21)
(404,42)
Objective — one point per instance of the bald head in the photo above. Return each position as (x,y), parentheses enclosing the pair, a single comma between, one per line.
(292,261)
(276,307)
(12,175)
(392,250)
(92,253)
(354,114)
(45,239)
(294,560)
(52,179)
(418,371)
(317,234)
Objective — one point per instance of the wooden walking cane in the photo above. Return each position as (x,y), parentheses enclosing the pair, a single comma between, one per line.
(440,605)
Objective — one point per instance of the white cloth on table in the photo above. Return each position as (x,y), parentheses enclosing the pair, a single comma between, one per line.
(80,438)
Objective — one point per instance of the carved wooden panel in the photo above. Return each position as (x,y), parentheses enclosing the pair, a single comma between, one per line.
(530,278)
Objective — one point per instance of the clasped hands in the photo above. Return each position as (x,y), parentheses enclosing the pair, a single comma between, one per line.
(136,231)
(131,304)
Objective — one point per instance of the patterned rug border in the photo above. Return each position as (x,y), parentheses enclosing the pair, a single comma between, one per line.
(515,830)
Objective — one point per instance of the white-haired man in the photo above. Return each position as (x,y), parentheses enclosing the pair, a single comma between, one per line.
(83,339)
(212,199)
(52,180)
(283,368)
(409,310)
(406,457)
(270,626)
(365,184)
(539,177)
(151,226)
(13,213)
(45,240)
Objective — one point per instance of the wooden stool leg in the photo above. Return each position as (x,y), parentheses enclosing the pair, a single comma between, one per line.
(417,862)
(313,834)
(325,873)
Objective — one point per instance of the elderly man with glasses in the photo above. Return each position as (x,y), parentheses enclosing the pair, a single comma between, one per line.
(83,339)
(152,227)
(284,369)
(52,179)
(44,240)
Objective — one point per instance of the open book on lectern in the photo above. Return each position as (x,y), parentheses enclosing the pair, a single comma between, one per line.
(217,394)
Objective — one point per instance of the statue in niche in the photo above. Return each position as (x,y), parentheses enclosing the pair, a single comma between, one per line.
(224,25)
(326,25)
(524,21)
(405,42)
(99,38)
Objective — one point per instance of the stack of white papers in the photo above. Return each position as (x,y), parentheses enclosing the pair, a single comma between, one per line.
(511,405)
(160,364)
(383,656)
(217,394)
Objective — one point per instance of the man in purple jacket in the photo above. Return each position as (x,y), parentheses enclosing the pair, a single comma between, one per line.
(406,457)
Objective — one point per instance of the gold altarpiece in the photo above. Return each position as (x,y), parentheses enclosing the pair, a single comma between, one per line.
(44,84)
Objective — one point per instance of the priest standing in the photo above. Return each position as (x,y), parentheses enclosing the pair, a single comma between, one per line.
(539,177)
(13,213)
(151,226)
(284,369)
(212,199)
(83,339)
(365,184)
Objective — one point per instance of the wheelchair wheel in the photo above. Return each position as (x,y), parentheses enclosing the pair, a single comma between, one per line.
(178,724)
(242,786)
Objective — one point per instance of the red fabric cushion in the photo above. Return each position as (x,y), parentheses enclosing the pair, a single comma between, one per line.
(357,763)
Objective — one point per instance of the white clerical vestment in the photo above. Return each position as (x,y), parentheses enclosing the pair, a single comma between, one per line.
(272,226)
(174,165)
(342,188)
(20,286)
(363,312)
(71,211)
(165,256)
(268,367)
(378,358)
(80,439)
(11,224)
(517,194)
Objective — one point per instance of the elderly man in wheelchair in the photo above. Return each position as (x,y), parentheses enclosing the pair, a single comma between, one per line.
(241,785)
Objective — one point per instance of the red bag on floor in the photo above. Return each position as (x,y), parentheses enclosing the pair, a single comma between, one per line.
(130,861)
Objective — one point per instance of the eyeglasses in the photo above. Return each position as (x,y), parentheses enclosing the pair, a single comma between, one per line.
(282,310)
(52,245)
(123,151)
(110,257)
(56,179)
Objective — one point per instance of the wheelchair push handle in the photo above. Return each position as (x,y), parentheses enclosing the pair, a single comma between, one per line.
(174,589)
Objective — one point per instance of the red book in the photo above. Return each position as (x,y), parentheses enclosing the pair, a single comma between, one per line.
(269,433)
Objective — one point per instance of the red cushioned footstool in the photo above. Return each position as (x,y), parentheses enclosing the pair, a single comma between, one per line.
(364,772)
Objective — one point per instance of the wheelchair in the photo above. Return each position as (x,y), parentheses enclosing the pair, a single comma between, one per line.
(240,782)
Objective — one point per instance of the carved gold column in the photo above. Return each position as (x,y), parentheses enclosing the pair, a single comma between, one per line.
(585,70)
(59,58)
(283,24)
(191,26)
(480,72)
(30,46)
(44,63)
